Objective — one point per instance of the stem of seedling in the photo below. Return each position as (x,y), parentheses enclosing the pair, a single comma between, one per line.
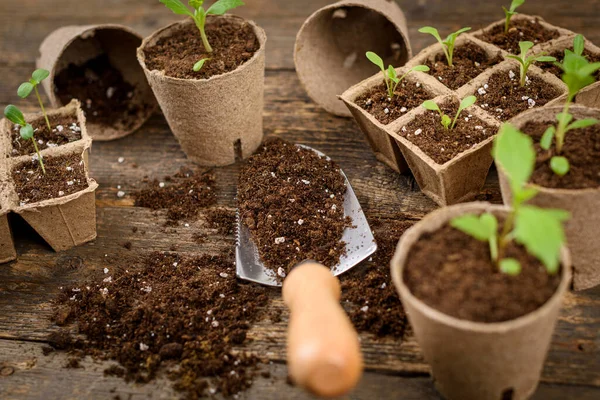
(37,93)
(37,150)
(562,127)
(201,23)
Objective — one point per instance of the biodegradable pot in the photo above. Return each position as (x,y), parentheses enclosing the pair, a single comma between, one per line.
(330,47)
(379,135)
(589,96)
(583,229)
(62,222)
(79,44)
(474,360)
(216,120)
(7,247)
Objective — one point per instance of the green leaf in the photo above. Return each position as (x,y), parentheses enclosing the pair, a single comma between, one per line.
(547,137)
(420,68)
(454,35)
(431,105)
(14,115)
(519,59)
(579,45)
(466,103)
(515,153)
(545,59)
(375,59)
(39,75)
(432,31)
(391,72)
(564,118)
(481,228)
(196,4)
(560,165)
(541,232)
(177,7)
(25,90)
(589,69)
(26,132)
(524,195)
(222,6)
(446,121)
(583,123)
(198,66)
(510,266)
(516,4)
(525,46)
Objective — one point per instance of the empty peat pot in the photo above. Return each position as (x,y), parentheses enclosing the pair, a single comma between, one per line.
(63,211)
(217,120)
(583,228)
(475,360)
(330,47)
(103,57)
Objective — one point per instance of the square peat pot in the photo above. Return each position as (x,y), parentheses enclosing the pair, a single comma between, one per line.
(457,180)
(66,218)
(378,134)
(7,247)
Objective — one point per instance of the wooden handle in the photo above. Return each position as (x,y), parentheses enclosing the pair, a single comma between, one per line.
(323,351)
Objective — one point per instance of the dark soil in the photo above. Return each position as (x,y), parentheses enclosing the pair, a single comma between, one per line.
(453,273)
(292,201)
(468,62)
(376,307)
(65,129)
(104,94)
(442,145)
(504,98)
(165,313)
(520,30)
(406,97)
(560,55)
(181,195)
(223,220)
(582,149)
(65,175)
(233,41)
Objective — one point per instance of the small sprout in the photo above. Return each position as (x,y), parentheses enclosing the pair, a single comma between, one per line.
(390,75)
(448,44)
(526,62)
(37,77)
(199,15)
(510,12)
(560,165)
(14,115)
(447,122)
(578,45)
(198,66)
(539,230)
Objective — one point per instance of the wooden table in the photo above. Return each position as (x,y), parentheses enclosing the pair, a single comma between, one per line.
(395,367)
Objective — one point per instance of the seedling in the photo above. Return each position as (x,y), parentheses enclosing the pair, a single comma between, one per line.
(447,122)
(38,76)
(539,230)
(510,12)
(578,45)
(390,76)
(448,44)
(14,115)
(198,66)
(199,15)
(577,74)
(526,62)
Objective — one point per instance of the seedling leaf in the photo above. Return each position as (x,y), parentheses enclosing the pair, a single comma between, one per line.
(14,115)
(512,11)
(39,75)
(222,6)
(26,132)
(432,31)
(177,7)
(420,68)
(583,123)
(431,105)
(510,266)
(579,45)
(198,66)
(393,75)
(446,121)
(514,152)
(25,90)
(547,137)
(375,59)
(474,226)
(560,165)
(464,104)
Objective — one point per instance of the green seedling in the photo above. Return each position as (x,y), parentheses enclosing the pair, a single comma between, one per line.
(390,76)
(447,122)
(539,230)
(526,62)
(198,66)
(38,76)
(578,45)
(510,12)
(14,115)
(448,44)
(199,15)
(577,74)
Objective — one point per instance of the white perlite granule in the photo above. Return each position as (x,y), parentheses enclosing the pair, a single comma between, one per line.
(279,240)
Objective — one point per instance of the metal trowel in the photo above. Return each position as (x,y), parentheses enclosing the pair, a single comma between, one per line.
(323,350)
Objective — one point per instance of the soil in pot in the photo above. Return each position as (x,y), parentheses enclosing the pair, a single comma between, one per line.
(406,97)
(233,41)
(469,61)
(291,200)
(65,175)
(162,312)
(503,97)
(104,95)
(65,129)
(582,149)
(442,145)
(453,273)
(528,29)
(559,55)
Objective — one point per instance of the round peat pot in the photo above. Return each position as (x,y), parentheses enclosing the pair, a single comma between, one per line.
(331,45)
(583,229)
(475,360)
(217,120)
(77,46)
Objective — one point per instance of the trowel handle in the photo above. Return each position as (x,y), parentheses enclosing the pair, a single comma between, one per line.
(323,351)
